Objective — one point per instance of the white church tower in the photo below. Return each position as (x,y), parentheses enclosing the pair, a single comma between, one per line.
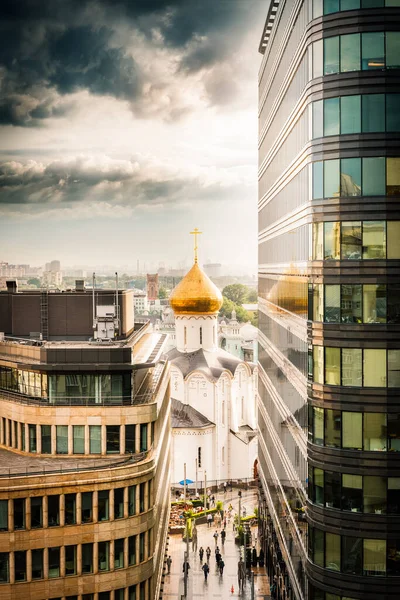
(213,393)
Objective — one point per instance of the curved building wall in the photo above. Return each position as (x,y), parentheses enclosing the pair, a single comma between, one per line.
(329,257)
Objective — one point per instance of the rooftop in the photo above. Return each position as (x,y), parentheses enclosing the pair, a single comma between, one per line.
(269,23)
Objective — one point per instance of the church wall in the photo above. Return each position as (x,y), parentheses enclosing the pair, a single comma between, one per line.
(190,342)
(186,444)
(240,467)
(200,394)
(177,384)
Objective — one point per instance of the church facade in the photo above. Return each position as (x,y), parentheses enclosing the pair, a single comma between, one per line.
(213,393)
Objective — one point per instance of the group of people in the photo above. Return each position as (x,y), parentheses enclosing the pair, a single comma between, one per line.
(218,559)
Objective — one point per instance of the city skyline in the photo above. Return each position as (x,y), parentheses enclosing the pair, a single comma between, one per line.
(116,127)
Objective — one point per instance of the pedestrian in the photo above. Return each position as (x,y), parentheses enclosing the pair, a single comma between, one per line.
(208,552)
(230,508)
(216,550)
(244,511)
(215,536)
(206,570)
(223,536)
(169,563)
(221,566)
(213,500)
(218,559)
(225,487)
(186,567)
(224,522)
(209,520)
(201,553)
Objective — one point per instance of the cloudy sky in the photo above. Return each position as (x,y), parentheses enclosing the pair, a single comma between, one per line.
(123,125)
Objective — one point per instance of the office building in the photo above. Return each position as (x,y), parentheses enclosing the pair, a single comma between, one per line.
(329,288)
(84,448)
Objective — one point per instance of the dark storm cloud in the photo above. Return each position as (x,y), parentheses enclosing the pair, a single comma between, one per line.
(49,49)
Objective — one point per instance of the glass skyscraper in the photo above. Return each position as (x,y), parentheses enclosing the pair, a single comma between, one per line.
(329,298)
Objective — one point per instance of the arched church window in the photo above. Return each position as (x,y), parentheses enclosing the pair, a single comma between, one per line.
(201,335)
(185,336)
(199,457)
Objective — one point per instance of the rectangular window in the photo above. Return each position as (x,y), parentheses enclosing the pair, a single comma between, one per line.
(87,507)
(78,439)
(118,503)
(352,493)
(331,117)
(199,457)
(318,241)
(331,55)
(374,239)
(333,420)
(318,180)
(393,304)
(142,547)
(393,421)
(374,557)
(392,112)
(103,505)
(350,52)
(45,431)
(331,6)
(352,555)
(53,507)
(70,560)
(350,177)
(351,240)
(3,515)
(23,444)
(142,495)
(54,562)
(393,496)
(119,554)
(318,419)
(332,240)
(352,367)
(375,494)
(373,183)
(20,565)
(319,486)
(332,304)
(332,366)
(143,437)
(130,439)
(32,438)
(70,509)
(331,178)
(373,113)
(374,303)
(318,302)
(374,368)
(393,239)
(36,512)
(4,567)
(352,436)
(350,114)
(332,489)
(132,500)
(132,549)
(318,547)
(112,439)
(318,59)
(317,8)
(393,176)
(393,558)
(62,439)
(87,558)
(375,436)
(332,551)
(19,513)
(394,368)
(104,556)
(318,119)
(373,51)
(349,4)
(95,439)
(393,49)
(351,304)
(318,364)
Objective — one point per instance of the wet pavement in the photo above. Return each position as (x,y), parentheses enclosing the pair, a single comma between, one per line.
(217,586)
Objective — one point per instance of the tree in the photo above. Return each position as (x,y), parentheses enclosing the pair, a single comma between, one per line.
(34,281)
(227,307)
(236,292)
(252,296)
(162,293)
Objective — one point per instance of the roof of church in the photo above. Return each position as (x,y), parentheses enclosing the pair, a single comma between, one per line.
(185,416)
(245,433)
(212,364)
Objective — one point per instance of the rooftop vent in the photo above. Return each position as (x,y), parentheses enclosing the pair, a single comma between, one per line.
(79,285)
(12,286)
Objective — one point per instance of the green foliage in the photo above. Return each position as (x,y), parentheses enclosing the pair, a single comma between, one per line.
(219,505)
(228,306)
(34,281)
(162,293)
(236,293)
(256,511)
(252,296)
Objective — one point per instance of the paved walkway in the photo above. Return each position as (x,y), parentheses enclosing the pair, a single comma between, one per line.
(217,586)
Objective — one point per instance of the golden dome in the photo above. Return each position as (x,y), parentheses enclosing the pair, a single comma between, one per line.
(195,294)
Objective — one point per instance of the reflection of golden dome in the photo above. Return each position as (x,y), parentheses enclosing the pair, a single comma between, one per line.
(195,294)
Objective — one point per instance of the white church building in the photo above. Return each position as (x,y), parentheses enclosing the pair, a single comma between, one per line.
(213,393)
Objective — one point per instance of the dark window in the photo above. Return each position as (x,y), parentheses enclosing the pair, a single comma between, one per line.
(393,557)
(351,555)
(70,509)
(393,303)
(19,513)
(132,500)
(373,113)
(37,564)
(119,594)
(199,457)
(104,556)
(32,438)
(119,503)
(332,489)
(4,567)
(119,554)
(87,558)
(112,439)
(54,562)
(46,439)
(3,515)
(132,549)
(143,437)
(130,439)
(87,507)
(53,510)
(142,590)
(393,496)
(142,497)
(36,512)
(70,560)
(352,493)
(104,596)
(141,547)
(132,592)
(392,112)
(20,565)
(103,505)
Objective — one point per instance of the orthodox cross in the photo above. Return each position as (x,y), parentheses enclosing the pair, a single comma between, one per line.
(195,232)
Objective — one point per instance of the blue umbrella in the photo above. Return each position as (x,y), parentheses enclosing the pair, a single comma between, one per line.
(187,481)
